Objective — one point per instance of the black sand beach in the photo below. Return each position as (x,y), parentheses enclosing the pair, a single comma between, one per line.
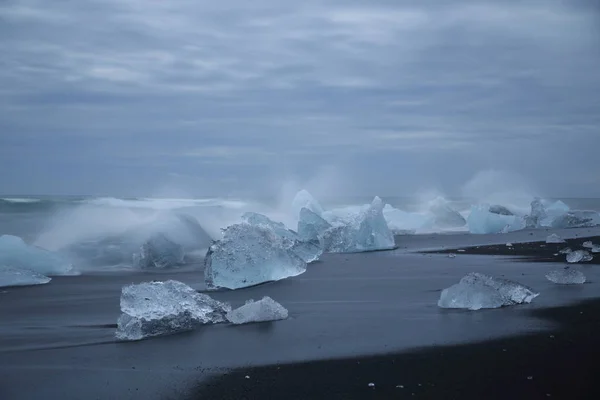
(354,319)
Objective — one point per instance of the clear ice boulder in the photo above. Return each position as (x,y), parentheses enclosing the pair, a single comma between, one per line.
(262,310)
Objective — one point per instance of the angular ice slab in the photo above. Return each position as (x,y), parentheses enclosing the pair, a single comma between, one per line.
(263,310)
(367,232)
(10,276)
(159,253)
(248,255)
(554,238)
(14,252)
(566,276)
(308,251)
(303,199)
(481,220)
(444,215)
(579,256)
(476,291)
(311,226)
(162,308)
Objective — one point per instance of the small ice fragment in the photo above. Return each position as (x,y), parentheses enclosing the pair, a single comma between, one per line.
(10,276)
(476,291)
(461,250)
(371,384)
(159,252)
(263,310)
(400,386)
(566,250)
(247,377)
(161,308)
(566,276)
(588,245)
(554,238)
(579,256)
(530,378)
(509,244)
(451,255)
(248,255)
(14,252)
(595,248)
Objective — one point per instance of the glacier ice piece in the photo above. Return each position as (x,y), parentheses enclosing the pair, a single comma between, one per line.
(367,232)
(566,276)
(263,310)
(309,251)
(444,215)
(401,222)
(595,248)
(311,226)
(566,250)
(304,199)
(554,238)
(579,256)
(537,214)
(10,276)
(161,308)
(500,210)
(159,253)
(482,221)
(14,252)
(248,255)
(476,291)
(588,244)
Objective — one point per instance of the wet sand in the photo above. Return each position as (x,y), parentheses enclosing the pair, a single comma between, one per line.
(57,340)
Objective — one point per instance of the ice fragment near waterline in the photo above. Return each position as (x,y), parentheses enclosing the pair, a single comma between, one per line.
(262,310)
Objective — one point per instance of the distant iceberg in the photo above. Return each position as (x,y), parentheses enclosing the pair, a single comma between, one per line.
(161,308)
(476,291)
(263,310)
(14,252)
(248,255)
(10,276)
(368,231)
(481,221)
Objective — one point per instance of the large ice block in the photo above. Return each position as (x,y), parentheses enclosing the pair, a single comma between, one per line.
(309,251)
(14,252)
(476,291)
(159,253)
(566,276)
(311,226)
(444,215)
(162,308)
(481,221)
(248,255)
(263,310)
(367,232)
(10,276)
(304,199)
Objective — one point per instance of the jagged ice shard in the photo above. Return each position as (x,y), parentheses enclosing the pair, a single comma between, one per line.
(309,251)
(10,276)
(566,276)
(14,252)
(481,220)
(311,226)
(304,199)
(248,255)
(476,291)
(161,308)
(159,252)
(263,310)
(367,232)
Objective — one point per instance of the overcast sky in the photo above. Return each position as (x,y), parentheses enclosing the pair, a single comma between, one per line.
(143,97)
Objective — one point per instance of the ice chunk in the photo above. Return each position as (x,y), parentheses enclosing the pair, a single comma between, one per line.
(500,210)
(444,215)
(14,252)
(579,256)
(161,308)
(566,250)
(595,248)
(308,251)
(588,244)
(248,255)
(481,221)
(159,253)
(368,231)
(566,276)
(263,310)
(476,291)
(303,199)
(537,214)
(401,221)
(311,226)
(10,276)
(554,238)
